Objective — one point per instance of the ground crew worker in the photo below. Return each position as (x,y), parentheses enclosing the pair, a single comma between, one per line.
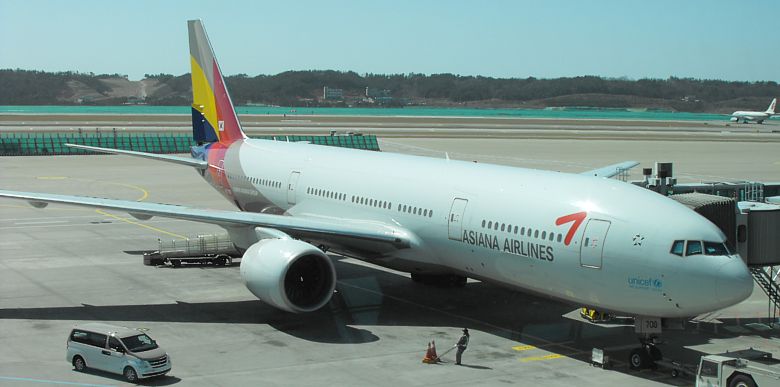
(462,344)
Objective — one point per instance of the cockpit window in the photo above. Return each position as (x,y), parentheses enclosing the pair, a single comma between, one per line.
(715,248)
(677,248)
(693,248)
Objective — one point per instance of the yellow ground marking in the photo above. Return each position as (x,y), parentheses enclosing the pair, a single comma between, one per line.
(144,196)
(540,358)
(523,347)
(140,224)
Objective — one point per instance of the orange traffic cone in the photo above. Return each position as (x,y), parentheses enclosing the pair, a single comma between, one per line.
(428,359)
(434,356)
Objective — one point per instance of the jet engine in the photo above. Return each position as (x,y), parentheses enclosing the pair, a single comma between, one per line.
(289,274)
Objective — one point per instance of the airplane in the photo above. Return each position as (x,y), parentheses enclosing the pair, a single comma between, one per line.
(583,238)
(758,117)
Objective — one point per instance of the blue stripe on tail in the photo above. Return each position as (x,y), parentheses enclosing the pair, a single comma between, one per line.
(201,128)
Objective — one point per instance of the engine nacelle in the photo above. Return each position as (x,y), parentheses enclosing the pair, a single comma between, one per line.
(289,274)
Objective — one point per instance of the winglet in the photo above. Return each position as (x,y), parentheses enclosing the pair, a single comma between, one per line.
(213,116)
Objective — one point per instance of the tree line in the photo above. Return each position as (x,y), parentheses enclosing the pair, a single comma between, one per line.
(304,88)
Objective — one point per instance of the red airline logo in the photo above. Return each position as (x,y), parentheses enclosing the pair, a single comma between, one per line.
(577,218)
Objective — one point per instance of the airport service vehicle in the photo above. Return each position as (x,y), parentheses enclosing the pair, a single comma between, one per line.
(215,249)
(116,349)
(747,368)
(582,238)
(758,117)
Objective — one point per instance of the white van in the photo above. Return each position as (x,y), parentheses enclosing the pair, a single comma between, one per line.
(120,350)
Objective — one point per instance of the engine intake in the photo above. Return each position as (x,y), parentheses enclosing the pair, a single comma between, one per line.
(289,274)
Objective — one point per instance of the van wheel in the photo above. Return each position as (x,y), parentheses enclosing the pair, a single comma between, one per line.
(130,374)
(79,364)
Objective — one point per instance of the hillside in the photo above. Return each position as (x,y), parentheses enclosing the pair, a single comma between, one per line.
(305,88)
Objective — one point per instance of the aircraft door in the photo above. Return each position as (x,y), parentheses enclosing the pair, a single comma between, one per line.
(291,186)
(592,246)
(455,219)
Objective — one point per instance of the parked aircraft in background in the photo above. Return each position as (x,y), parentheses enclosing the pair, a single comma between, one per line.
(582,238)
(758,117)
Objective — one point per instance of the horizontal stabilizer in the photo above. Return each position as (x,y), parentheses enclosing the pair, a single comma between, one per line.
(611,170)
(189,161)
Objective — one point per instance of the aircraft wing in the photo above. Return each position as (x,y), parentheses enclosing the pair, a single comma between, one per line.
(611,170)
(364,231)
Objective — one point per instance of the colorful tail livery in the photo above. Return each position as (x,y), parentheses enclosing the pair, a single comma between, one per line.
(771,109)
(213,116)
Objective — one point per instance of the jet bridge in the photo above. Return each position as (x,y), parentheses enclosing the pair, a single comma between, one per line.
(751,225)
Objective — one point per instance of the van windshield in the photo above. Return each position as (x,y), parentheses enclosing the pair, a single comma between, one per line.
(139,343)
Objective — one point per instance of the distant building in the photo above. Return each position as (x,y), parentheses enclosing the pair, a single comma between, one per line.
(372,92)
(331,93)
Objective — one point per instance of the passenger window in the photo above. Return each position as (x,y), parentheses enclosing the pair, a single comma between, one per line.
(503,226)
(559,237)
(495,226)
(587,240)
(425,212)
(80,337)
(483,223)
(693,248)
(97,340)
(544,234)
(114,344)
(430,214)
(530,232)
(552,236)
(677,248)
(536,234)
(515,229)
(522,230)
(490,224)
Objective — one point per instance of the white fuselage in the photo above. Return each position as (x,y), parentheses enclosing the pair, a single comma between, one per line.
(751,116)
(474,220)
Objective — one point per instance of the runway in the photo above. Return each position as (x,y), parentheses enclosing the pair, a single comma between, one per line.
(62,265)
(419,127)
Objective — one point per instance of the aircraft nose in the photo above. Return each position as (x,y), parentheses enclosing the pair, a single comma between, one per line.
(734,282)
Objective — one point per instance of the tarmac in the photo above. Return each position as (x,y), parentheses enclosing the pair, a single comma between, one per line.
(63,265)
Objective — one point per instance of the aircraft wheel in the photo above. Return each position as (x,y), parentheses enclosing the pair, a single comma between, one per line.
(655,353)
(638,359)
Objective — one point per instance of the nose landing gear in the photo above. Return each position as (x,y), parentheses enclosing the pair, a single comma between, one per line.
(646,355)
(649,331)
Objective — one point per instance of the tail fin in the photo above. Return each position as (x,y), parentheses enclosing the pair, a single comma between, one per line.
(771,109)
(213,116)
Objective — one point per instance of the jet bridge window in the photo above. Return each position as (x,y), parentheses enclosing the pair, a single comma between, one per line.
(677,248)
(693,248)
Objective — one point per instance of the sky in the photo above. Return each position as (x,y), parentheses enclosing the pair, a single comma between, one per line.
(714,39)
